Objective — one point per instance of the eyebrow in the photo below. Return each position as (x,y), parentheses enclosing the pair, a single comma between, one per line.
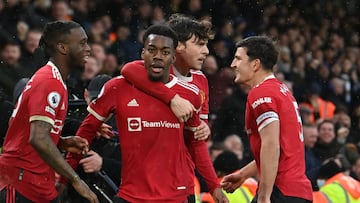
(165,47)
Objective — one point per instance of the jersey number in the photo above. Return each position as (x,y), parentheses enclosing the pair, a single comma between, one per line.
(301,135)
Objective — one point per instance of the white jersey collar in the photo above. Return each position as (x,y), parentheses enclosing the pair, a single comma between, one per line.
(181,77)
(56,72)
(172,82)
(271,76)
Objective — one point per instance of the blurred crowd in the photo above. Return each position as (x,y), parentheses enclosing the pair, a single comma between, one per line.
(319,44)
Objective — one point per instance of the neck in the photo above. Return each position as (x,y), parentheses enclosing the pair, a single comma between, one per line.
(181,66)
(259,78)
(62,67)
(166,79)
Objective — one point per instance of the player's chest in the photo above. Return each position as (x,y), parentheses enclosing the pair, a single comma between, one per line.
(146,106)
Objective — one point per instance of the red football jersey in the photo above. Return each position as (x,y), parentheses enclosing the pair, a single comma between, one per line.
(267,102)
(136,72)
(155,161)
(197,78)
(159,91)
(199,149)
(43,98)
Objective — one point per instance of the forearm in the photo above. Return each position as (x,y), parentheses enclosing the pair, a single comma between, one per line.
(250,170)
(269,161)
(62,143)
(48,151)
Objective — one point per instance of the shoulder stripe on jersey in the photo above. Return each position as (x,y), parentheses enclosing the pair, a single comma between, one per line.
(266,118)
(191,87)
(197,72)
(100,118)
(172,82)
(204,116)
(266,115)
(42,118)
(267,122)
(119,77)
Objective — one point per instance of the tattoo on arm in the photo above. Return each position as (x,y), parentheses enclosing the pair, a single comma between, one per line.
(47,150)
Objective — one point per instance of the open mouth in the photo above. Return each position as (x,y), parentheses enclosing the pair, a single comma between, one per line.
(157,67)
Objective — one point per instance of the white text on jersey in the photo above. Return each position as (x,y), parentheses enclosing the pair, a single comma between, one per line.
(261,101)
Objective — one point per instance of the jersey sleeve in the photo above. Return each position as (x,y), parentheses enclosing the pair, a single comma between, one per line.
(198,148)
(46,101)
(87,130)
(99,110)
(135,73)
(196,100)
(200,155)
(105,103)
(204,113)
(263,105)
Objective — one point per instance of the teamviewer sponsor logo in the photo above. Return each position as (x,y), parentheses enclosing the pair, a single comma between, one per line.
(160,124)
(134,124)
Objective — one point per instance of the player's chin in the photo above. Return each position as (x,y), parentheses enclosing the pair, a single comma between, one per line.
(156,77)
(85,59)
(198,66)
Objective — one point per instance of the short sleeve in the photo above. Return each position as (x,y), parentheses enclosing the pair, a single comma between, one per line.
(46,100)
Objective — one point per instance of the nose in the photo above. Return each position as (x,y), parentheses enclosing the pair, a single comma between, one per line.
(233,65)
(157,54)
(205,50)
(87,47)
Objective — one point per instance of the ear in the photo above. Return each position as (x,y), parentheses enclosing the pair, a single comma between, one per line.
(62,48)
(142,53)
(174,59)
(180,47)
(256,65)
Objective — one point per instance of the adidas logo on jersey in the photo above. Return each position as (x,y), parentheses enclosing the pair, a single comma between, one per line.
(133,103)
